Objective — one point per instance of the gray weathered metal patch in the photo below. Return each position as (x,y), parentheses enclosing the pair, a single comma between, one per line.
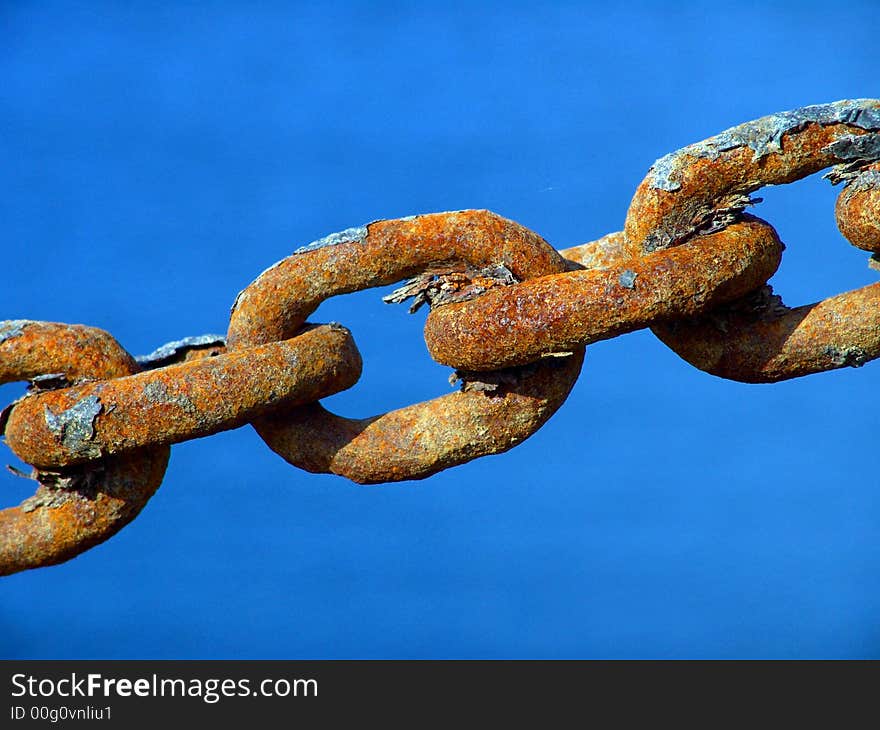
(172,351)
(764,136)
(349,235)
(76,426)
(12,328)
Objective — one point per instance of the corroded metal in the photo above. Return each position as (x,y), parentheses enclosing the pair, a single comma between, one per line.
(604,253)
(183,350)
(29,349)
(706,185)
(558,313)
(167,405)
(72,509)
(278,302)
(420,440)
(509,312)
(858,208)
(417,441)
(760,340)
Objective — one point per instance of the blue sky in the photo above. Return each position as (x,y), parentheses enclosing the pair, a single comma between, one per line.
(155,161)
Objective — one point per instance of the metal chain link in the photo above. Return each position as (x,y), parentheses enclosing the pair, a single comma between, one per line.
(508,311)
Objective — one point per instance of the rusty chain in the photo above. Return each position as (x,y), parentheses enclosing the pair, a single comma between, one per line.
(511,314)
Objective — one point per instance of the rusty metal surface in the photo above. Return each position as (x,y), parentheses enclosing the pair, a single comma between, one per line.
(706,185)
(167,405)
(552,314)
(603,253)
(422,439)
(417,441)
(508,311)
(72,509)
(189,348)
(277,303)
(29,349)
(858,209)
(759,340)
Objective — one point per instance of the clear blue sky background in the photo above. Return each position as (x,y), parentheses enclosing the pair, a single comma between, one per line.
(153,161)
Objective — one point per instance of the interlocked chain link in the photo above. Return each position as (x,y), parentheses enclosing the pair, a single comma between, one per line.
(510,313)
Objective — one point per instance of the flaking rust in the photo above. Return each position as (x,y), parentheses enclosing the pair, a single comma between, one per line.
(12,328)
(757,346)
(853,357)
(72,509)
(516,325)
(75,426)
(195,398)
(413,442)
(764,136)
(188,348)
(445,286)
(508,311)
(392,251)
(687,189)
(353,235)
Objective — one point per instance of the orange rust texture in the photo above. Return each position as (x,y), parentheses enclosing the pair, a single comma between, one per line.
(184,401)
(515,325)
(708,184)
(200,352)
(420,440)
(858,210)
(56,523)
(188,354)
(267,310)
(838,332)
(603,253)
(417,441)
(765,347)
(49,347)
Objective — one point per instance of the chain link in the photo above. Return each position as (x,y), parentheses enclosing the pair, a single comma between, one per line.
(508,311)
(413,442)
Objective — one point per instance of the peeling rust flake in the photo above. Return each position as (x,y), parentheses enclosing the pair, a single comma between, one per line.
(510,313)
(764,136)
(511,326)
(57,428)
(705,186)
(856,148)
(688,190)
(393,250)
(176,351)
(72,509)
(417,441)
(357,234)
(76,426)
(864,180)
(437,288)
(12,328)
(49,381)
(853,357)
